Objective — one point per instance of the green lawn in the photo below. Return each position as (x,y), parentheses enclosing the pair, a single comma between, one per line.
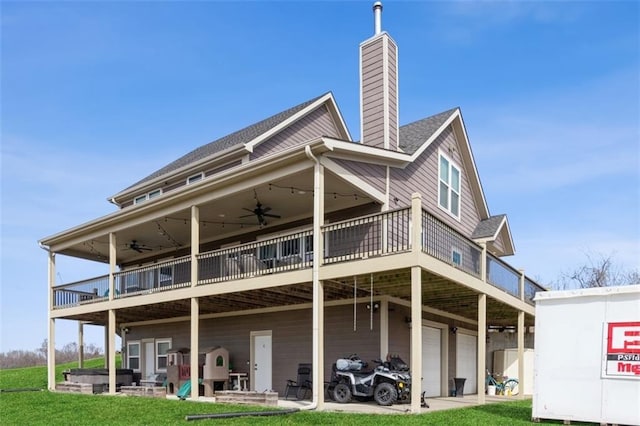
(43,407)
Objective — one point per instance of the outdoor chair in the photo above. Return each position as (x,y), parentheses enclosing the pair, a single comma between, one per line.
(300,386)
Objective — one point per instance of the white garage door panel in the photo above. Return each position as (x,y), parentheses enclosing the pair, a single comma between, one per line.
(466,361)
(431,363)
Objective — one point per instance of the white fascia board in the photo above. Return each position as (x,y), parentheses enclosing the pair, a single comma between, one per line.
(587,292)
(354,179)
(508,239)
(365,153)
(335,112)
(435,134)
(249,146)
(469,155)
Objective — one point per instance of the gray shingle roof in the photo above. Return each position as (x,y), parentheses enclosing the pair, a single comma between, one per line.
(488,227)
(241,136)
(413,135)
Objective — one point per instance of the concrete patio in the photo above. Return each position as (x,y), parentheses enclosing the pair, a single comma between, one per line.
(370,407)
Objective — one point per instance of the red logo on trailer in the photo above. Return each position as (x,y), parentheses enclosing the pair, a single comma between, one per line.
(623,338)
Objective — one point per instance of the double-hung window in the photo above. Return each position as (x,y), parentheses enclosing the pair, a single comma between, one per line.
(449,186)
(133,355)
(162,346)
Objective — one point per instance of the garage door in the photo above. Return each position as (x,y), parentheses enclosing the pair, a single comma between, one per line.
(466,361)
(431,363)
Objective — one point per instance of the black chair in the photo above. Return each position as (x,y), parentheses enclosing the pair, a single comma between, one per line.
(302,385)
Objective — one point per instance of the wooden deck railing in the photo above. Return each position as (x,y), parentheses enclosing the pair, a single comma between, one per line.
(349,240)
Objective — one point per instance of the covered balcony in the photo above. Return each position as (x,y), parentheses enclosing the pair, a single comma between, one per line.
(353,242)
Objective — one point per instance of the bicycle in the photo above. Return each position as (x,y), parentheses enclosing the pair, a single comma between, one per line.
(506,387)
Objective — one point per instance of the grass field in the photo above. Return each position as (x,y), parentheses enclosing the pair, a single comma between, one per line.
(43,407)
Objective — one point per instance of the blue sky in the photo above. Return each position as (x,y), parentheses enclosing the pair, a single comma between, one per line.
(96,95)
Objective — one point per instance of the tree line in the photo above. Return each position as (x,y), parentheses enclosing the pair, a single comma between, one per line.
(26,358)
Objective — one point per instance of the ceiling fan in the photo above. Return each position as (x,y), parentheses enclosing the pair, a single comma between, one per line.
(260,212)
(133,245)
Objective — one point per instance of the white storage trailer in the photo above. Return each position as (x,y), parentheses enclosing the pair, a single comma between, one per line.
(587,357)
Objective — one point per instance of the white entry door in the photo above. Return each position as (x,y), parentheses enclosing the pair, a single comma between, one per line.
(467,361)
(261,363)
(148,367)
(431,361)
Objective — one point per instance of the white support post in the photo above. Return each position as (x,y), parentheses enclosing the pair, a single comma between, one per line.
(80,344)
(482,346)
(483,262)
(318,289)
(51,355)
(112,265)
(416,334)
(195,244)
(384,327)
(109,337)
(521,378)
(51,347)
(112,351)
(195,343)
(416,223)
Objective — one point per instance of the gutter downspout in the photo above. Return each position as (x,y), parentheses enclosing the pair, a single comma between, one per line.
(315,273)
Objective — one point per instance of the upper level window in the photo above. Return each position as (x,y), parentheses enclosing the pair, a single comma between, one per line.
(195,178)
(148,196)
(449,186)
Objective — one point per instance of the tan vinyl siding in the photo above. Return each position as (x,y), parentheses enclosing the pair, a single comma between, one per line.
(317,123)
(373,174)
(498,244)
(422,176)
(291,337)
(393,96)
(372,101)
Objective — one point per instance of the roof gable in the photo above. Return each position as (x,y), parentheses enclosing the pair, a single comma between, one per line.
(414,135)
(494,228)
(245,139)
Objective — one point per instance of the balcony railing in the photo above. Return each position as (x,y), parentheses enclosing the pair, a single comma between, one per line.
(502,275)
(169,275)
(373,235)
(443,242)
(367,236)
(78,293)
(279,254)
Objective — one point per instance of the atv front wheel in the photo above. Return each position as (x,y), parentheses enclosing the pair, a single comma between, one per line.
(385,394)
(342,393)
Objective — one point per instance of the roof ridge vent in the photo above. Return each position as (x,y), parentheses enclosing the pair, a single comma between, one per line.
(377,17)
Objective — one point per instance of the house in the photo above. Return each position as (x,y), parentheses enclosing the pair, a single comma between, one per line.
(287,242)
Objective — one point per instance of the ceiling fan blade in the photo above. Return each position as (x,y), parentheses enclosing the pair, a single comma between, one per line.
(272,215)
(247,215)
(266,209)
(249,210)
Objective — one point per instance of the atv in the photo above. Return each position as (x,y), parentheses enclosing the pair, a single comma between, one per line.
(388,383)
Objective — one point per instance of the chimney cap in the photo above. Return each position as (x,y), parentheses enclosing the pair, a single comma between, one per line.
(377,17)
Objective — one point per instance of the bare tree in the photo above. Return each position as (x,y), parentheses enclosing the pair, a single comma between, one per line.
(68,353)
(599,271)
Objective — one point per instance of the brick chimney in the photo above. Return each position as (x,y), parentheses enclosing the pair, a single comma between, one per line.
(379,87)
